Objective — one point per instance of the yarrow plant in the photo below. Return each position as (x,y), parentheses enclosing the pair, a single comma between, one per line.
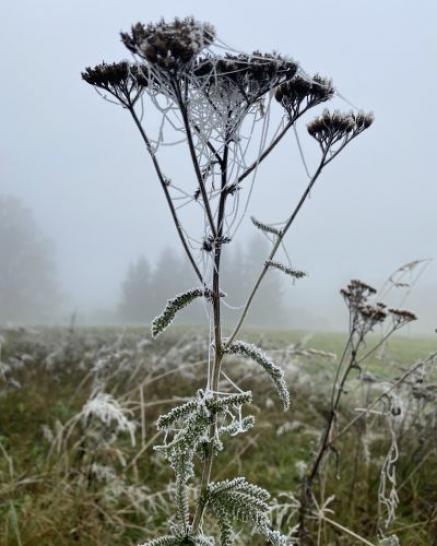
(219,104)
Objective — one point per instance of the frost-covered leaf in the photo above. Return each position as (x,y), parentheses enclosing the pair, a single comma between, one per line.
(162,321)
(265,227)
(166,420)
(108,410)
(295,273)
(275,372)
(162,541)
(237,500)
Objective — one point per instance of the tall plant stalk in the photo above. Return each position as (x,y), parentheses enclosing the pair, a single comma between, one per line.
(220,104)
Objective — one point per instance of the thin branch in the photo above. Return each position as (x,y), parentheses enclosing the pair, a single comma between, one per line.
(183,109)
(164,185)
(276,247)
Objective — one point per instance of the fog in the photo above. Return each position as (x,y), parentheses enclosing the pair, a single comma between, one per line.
(78,164)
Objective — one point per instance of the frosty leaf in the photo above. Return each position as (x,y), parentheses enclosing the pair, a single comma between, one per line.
(163,541)
(181,462)
(265,227)
(239,500)
(392,540)
(295,273)
(219,405)
(109,411)
(238,426)
(166,420)
(160,323)
(275,372)
(184,540)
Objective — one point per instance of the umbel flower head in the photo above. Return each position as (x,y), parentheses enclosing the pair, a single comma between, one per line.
(169,45)
(123,80)
(302,93)
(332,127)
(251,75)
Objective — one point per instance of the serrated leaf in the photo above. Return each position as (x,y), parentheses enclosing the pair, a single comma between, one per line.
(275,372)
(162,321)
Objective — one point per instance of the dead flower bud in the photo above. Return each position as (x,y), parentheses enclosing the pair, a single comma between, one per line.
(402,316)
(123,80)
(357,292)
(169,45)
(300,94)
(332,127)
(107,75)
(249,76)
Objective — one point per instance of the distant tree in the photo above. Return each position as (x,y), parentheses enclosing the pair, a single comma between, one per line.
(135,305)
(166,278)
(28,286)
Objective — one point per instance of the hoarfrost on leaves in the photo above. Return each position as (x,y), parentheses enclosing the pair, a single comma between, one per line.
(276,373)
(109,411)
(162,321)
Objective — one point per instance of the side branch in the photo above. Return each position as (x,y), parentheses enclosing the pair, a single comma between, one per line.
(275,248)
(164,185)
(194,159)
(267,151)
(273,144)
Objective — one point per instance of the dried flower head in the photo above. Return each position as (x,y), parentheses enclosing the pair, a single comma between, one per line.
(300,93)
(331,127)
(357,292)
(402,316)
(250,76)
(122,80)
(364,316)
(169,45)
(373,314)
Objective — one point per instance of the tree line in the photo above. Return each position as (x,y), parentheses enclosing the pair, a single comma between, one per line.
(30,289)
(146,288)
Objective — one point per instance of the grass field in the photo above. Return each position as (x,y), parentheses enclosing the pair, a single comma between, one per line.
(53,489)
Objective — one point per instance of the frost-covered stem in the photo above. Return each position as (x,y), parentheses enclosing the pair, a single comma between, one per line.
(337,391)
(164,185)
(326,443)
(276,246)
(218,346)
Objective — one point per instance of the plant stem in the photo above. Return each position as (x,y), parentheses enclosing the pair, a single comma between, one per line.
(184,112)
(218,347)
(164,185)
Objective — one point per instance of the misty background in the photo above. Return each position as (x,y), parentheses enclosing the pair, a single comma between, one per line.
(76,183)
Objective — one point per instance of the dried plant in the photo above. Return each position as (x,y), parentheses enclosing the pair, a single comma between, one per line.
(219,105)
(364,317)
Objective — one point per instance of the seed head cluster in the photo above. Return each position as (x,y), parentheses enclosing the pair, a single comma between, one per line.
(252,75)
(302,93)
(123,80)
(169,45)
(364,316)
(331,127)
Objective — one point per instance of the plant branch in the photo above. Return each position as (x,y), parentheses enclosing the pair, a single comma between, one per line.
(275,248)
(184,112)
(218,346)
(164,186)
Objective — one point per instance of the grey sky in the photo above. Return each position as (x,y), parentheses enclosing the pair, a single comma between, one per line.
(78,162)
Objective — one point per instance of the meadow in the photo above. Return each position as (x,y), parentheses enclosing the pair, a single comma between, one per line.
(71,473)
